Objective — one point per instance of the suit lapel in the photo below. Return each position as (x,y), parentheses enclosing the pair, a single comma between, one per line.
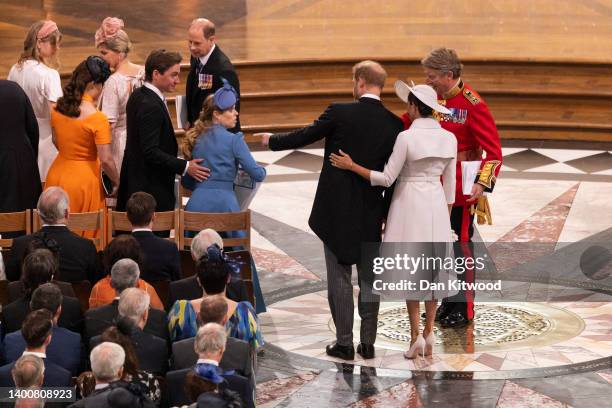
(153,95)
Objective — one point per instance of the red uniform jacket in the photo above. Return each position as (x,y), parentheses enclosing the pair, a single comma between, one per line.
(472,124)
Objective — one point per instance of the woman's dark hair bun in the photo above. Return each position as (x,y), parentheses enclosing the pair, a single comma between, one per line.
(98,69)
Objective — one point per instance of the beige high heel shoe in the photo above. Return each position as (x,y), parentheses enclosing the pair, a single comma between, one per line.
(418,345)
(429,344)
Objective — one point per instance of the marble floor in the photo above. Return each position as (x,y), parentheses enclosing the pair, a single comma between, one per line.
(550,348)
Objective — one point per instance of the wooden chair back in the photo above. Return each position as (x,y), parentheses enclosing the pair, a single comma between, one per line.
(243,260)
(164,221)
(14,222)
(220,222)
(183,193)
(78,222)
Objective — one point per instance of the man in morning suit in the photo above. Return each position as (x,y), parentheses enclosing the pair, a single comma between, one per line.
(150,163)
(208,65)
(78,256)
(161,257)
(347,211)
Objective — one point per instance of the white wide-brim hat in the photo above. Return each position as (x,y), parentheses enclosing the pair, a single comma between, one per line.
(424,93)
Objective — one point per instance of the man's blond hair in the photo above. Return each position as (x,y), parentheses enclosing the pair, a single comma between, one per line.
(371,72)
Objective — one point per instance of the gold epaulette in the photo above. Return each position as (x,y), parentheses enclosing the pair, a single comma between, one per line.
(486,176)
(482,210)
(470,96)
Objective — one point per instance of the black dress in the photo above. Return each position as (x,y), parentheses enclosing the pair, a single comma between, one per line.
(19,177)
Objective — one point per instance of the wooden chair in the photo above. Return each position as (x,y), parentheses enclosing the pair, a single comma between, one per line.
(164,221)
(88,221)
(82,290)
(220,222)
(14,222)
(243,259)
(183,193)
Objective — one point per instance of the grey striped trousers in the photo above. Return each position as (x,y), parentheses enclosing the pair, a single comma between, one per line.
(340,298)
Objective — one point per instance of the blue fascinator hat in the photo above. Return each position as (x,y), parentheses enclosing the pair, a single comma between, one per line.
(226,96)
(211,373)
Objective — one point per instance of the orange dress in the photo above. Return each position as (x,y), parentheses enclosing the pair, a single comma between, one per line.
(76,168)
(103,294)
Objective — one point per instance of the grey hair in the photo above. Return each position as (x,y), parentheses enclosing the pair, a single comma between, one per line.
(133,303)
(210,339)
(106,360)
(124,274)
(52,205)
(203,240)
(443,60)
(208,27)
(28,371)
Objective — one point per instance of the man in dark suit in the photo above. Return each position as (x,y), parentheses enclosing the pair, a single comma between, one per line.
(161,257)
(210,344)
(152,351)
(37,331)
(107,361)
(39,267)
(150,163)
(124,275)
(347,211)
(238,355)
(65,346)
(208,65)
(78,258)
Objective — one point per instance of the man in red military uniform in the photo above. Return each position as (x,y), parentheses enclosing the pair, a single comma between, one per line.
(472,124)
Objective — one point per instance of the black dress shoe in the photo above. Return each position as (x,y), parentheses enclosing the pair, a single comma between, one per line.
(453,320)
(441,312)
(343,352)
(365,350)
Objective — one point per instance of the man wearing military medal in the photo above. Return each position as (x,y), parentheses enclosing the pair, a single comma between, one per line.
(474,127)
(208,66)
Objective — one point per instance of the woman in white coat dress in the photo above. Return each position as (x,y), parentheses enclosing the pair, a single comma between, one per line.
(421,204)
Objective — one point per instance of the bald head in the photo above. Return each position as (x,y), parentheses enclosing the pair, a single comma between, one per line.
(53,206)
(201,37)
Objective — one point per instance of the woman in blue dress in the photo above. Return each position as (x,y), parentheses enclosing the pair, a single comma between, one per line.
(222,152)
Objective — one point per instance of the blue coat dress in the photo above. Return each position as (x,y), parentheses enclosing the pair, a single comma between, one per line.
(222,152)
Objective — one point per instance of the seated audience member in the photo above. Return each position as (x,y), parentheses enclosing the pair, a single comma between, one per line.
(37,331)
(107,360)
(131,369)
(39,267)
(206,377)
(124,275)
(28,372)
(152,351)
(212,275)
(65,347)
(78,256)
(17,289)
(237,356)
(124,246)
(161,257)
(188,288)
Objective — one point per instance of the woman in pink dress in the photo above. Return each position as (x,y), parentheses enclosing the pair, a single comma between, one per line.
(114,46)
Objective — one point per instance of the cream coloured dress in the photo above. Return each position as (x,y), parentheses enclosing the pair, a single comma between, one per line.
(419,212)
(115,94)
(43,86)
